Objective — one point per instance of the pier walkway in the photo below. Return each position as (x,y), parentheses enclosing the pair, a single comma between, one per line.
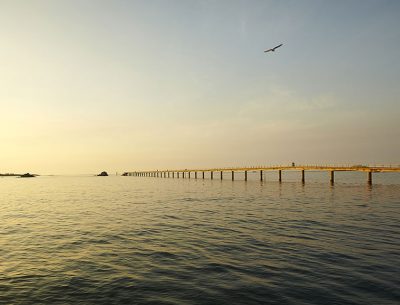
(201,173)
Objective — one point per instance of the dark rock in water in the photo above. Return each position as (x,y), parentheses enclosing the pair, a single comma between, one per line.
(27,175)
(103,174)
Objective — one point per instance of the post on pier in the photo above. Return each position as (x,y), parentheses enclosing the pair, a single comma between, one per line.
(177,175)
(233,175)
(303,179)
(221,175)
(203,175)
(280,175)
(332,177)
(261,175)
(168,174)
(245,175)
(189,175)
(173,174)
(195,175)
(212,175)
(183,174)
(370,177)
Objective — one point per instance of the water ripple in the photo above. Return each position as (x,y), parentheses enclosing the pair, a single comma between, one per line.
(148,241)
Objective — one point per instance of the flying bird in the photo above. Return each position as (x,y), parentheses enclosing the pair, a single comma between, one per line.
(273,49)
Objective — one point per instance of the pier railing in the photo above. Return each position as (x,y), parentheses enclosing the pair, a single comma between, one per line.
(168,173)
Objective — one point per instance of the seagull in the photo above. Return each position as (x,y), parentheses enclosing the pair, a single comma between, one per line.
(273,49)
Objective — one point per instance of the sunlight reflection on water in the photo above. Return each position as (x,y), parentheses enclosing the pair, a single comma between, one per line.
(128,240)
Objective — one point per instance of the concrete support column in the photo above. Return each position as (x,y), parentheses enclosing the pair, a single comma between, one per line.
(370,177)
(303,178)
(173,174)
(183,174)
(261,175)
(212,175)
(177,175)
(245,175)
(203,175)
(332,177)
(280,175)
(221,175)
(233,175)
(195,175)
(189,175)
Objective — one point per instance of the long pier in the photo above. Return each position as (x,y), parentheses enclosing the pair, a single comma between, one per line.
(201,173)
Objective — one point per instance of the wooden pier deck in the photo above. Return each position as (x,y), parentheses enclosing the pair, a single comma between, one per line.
(188,173)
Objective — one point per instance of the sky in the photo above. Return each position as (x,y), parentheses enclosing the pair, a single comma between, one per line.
(94,85)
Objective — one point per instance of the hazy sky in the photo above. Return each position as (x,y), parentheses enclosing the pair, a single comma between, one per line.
(87,86)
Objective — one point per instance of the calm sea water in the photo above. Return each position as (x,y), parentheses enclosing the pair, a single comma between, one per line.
(130,240)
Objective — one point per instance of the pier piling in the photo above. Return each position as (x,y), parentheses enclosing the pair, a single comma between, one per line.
(369,170)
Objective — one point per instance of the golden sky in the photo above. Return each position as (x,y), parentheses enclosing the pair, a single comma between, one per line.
(87,86)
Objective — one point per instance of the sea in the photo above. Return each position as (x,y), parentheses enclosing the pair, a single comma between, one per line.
(145,240)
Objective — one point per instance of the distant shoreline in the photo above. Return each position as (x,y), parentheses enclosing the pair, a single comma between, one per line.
(10,175)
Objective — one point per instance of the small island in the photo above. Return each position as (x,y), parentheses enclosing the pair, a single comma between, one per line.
(27,175)
(102,174)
